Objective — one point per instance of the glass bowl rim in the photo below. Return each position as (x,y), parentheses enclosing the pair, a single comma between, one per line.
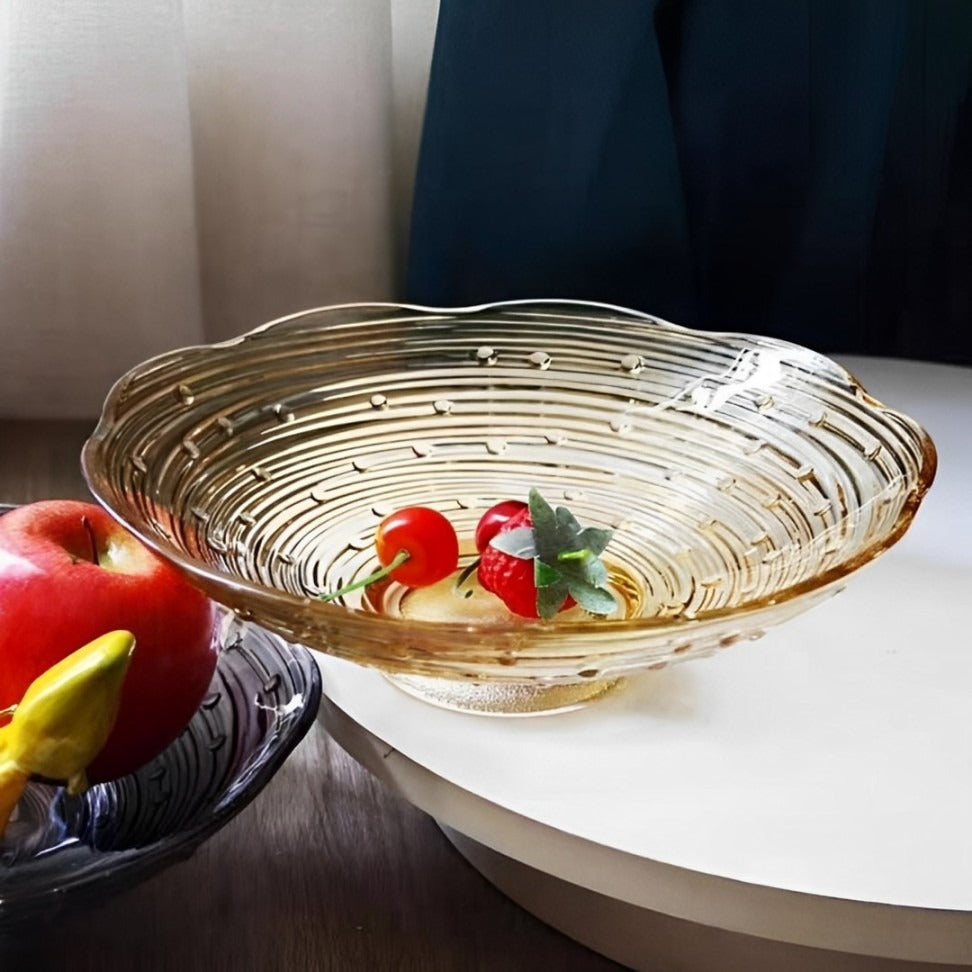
(212,579)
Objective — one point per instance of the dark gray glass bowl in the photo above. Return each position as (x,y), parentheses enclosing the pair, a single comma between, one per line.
(62,851)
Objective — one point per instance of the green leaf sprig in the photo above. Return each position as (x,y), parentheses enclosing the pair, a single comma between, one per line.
(565,555)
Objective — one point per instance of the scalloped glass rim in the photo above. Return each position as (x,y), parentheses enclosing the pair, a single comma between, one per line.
(520,630)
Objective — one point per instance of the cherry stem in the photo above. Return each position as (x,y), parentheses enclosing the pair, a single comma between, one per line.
(378,575)
(464,575)
(89,529)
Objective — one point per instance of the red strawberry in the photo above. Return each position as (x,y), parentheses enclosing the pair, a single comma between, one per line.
(512,578)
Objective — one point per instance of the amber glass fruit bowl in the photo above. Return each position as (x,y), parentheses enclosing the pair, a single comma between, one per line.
(745,480)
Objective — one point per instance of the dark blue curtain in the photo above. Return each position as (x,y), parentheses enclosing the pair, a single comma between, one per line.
(801,168)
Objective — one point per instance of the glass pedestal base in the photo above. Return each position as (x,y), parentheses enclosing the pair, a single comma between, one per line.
(503,698)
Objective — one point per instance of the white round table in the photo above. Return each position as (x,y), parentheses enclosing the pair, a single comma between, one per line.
(802,801)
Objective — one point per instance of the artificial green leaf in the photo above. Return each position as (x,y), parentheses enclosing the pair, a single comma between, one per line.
(544,575)
(551,599)
(578,563)
(597,573)
(545,529)
(567,521)
(565,559)
(597,600)
(595,539)
(518,542)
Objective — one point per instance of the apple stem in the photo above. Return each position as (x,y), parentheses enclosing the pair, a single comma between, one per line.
(89,529)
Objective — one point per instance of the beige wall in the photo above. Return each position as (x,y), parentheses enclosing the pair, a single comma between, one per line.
(178,172)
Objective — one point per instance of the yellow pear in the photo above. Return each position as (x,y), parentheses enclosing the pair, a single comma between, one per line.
(64,719)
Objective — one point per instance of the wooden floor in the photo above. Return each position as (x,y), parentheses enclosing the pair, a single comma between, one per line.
(325,870)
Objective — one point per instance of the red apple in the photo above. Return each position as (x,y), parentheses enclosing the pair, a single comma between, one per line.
(69,573)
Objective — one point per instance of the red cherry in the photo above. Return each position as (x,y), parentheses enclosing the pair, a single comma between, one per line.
(422,541)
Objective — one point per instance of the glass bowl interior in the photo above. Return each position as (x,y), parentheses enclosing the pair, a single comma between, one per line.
(744,478)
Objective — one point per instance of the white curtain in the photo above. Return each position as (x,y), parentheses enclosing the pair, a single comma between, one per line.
(176,172)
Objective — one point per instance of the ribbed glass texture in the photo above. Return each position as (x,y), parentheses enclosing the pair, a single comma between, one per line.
(745,478)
